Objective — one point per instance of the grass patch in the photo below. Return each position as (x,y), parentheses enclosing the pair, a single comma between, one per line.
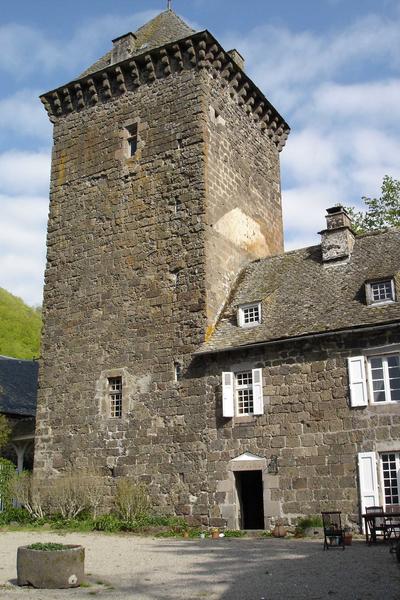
(306,522)
(47,546)
(234,533)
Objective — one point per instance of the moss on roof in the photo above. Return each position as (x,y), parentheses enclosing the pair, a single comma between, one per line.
(301,295)
(165,28)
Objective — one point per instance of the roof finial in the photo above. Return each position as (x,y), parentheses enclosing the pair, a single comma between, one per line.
(169,4)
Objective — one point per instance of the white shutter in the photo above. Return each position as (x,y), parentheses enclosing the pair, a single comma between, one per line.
(227,395)
(258,401)
(357,381)
(368,478)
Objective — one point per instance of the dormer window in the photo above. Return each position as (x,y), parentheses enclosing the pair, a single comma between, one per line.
(249,315)
(380,292)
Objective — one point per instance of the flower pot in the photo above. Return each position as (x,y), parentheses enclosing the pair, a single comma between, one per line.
(215,534)
(348,538)
(51,569)
(279,531)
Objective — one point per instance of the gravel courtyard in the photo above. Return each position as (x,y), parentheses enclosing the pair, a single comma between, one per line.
(127,567)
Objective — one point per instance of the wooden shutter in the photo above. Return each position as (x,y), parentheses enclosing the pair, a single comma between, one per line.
(258,401)
(228,409)
(368,479)
(357,381)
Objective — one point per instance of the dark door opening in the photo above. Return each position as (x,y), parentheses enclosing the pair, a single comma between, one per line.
(249,488)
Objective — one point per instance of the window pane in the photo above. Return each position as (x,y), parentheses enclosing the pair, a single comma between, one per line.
(376,363)
(381,291)
(378,385)
(393,361)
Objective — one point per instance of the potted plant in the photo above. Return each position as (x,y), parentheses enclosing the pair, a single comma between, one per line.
(348,536)
(279,530)
(50,566)
(215,533)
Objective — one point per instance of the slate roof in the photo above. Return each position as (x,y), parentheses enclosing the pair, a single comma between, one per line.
(301,295)
(18,386)
(164,28)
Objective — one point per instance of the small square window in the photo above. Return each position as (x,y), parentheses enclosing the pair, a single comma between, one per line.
(249,315)
(115,395)
(380,292)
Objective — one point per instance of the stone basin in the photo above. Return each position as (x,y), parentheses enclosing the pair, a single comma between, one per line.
(51,569)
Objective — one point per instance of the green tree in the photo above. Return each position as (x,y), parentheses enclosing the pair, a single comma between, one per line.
(4,431)
(20,327)
(380,212)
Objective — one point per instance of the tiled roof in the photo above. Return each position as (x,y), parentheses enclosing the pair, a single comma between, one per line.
(18,386)
(301,295)
(164,28)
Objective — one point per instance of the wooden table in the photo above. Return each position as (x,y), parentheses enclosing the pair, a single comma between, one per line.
(369,522)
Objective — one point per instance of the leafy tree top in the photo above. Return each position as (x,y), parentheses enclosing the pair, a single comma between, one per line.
(380,212)
(20,327)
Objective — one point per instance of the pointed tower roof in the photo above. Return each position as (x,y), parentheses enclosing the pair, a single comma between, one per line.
(165,28)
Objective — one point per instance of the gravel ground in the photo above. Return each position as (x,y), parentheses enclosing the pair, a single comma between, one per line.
(127,567)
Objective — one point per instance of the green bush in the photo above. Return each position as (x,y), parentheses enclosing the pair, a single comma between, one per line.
(310,521)
(7,470)
(47,546)
(15,515)
(109,523)
(131,500)
(234,533)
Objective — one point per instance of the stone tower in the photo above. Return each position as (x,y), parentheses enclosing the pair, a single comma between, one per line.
(165,183)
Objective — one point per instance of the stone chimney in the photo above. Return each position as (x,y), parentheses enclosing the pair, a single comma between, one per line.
(237,58)
(337,240)
(123,47)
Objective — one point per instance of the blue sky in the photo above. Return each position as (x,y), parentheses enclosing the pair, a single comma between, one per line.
(331,68)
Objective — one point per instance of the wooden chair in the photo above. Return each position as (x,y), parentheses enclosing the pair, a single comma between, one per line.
(376,524)
(333,530)
(393,527)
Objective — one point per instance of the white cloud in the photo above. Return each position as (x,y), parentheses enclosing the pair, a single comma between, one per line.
(285,63)
(22,275)
(310,156)
(22,245)
(26,50)
(24,114)
(363,101)
(27,172)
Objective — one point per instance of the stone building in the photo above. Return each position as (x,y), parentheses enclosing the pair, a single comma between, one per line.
(181,345)
(18,389)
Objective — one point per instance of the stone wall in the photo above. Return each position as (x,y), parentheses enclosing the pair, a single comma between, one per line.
(128,279)
(124,287)
(244,216)
(307,424)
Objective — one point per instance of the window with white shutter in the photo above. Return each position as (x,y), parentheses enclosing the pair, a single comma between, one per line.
(228,409)
(384,373)
(357,381)
(368,480)
(258,400)
(242,393)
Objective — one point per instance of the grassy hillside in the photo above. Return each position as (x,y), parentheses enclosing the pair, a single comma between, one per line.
(20,327)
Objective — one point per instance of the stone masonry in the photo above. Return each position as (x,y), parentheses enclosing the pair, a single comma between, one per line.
(150,254)
(142,252)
